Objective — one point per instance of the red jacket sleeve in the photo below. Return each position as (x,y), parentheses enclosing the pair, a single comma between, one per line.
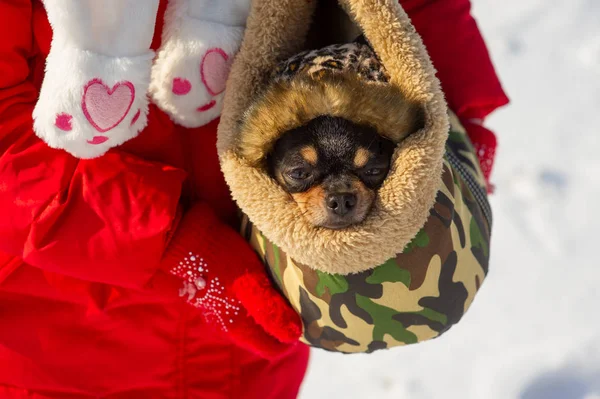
(459,54)
(464,67)
(103,220)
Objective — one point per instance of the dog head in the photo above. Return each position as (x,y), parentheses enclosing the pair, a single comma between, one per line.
(332,168)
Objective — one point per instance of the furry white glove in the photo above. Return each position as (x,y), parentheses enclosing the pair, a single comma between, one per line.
(94,94)
(200,38)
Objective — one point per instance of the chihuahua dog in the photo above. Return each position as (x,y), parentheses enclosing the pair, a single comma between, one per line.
(332,168)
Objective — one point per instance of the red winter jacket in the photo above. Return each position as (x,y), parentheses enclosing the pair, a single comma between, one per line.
(85,311)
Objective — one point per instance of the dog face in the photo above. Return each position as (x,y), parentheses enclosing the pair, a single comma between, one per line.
(332,168)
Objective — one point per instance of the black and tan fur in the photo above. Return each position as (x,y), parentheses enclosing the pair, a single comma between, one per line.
(332,168)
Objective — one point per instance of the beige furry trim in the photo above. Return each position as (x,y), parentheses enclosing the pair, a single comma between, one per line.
(287,105)
(276,30)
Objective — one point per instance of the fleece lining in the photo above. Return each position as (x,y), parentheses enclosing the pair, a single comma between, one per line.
(276,30)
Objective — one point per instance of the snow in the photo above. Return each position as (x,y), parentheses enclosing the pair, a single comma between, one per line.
(534,330)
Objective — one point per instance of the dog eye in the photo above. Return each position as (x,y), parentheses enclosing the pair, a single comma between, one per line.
(374,172)
(299,174)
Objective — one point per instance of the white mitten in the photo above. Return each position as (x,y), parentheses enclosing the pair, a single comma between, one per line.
(200,38)
(94,94)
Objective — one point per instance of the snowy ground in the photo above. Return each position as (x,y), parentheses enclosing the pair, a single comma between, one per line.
(534,330)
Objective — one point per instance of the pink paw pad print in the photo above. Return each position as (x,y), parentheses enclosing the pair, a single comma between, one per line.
(181,86)
(63,122)
(104,108)
(214,70)
(135,117)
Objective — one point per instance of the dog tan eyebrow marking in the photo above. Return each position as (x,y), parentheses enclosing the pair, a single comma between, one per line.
(309,154)
(361,157)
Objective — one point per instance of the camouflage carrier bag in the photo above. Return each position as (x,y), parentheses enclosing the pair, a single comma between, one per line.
(412,268)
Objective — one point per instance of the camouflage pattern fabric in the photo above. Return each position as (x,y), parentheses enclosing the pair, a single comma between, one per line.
(416,296)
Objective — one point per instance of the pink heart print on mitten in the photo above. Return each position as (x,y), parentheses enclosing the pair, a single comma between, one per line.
(106,107)
(94,94)
(214,70)
(190,72)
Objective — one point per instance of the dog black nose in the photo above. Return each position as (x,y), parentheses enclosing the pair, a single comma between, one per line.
(341,204)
